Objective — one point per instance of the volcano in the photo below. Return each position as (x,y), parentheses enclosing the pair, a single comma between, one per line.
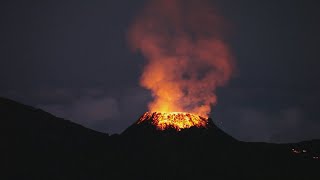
(176,124)
(38,145)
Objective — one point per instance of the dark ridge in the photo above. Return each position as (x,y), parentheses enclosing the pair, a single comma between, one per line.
(28,120)
(38,145)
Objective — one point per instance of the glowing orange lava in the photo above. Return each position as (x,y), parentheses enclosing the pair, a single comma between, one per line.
(176,120)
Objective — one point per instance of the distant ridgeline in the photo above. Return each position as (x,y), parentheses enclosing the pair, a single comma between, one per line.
(38,145)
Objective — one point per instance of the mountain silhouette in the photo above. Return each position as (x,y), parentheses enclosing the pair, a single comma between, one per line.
(38,145)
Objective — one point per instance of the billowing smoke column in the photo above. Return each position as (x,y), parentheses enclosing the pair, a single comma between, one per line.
(187,58)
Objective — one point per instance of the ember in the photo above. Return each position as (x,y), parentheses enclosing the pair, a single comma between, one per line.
(175,120)
(296,151)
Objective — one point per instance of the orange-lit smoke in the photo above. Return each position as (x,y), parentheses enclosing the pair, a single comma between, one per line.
(187,58)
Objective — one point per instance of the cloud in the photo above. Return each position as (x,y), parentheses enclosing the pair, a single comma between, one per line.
(86,110)
(257,124)
(86,106)
(97,108)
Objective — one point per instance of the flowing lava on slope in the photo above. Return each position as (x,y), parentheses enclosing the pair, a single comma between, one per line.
(175,120)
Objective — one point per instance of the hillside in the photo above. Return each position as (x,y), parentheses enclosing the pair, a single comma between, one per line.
(38,145)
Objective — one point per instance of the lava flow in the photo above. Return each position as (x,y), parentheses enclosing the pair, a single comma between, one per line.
(175,120)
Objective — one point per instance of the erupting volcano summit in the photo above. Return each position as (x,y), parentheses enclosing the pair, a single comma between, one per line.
(175,120)
(187,59)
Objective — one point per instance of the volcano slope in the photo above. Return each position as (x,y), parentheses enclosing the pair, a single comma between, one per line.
(38,145)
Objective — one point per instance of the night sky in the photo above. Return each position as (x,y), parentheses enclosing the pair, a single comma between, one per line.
(72,59)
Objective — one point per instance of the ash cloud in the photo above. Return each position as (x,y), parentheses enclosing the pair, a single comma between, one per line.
(186,55)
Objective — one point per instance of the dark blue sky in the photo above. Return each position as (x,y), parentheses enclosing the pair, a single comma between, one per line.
(71,58)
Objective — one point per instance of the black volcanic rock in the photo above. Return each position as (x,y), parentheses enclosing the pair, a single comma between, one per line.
(38,145)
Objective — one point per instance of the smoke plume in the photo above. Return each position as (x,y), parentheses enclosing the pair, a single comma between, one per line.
(187,57)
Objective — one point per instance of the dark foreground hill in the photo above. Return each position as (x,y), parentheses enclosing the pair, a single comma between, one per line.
(37,145)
